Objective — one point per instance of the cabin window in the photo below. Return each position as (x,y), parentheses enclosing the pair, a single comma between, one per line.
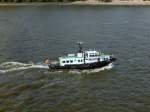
(92,55)
(105,59)
(63,61)
(67,61)
(71,61)
(86,55)
(81,60)
(78,60)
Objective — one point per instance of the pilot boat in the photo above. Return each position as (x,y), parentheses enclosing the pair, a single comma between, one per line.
(83,60)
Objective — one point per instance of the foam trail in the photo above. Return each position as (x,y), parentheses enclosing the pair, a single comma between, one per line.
(15,66)
(108,67)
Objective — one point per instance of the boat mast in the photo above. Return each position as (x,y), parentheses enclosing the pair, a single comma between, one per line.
(80,47)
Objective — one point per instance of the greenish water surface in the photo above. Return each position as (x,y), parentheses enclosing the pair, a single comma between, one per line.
(30,34)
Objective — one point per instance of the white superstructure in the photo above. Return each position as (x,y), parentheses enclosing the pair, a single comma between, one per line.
(85,57)
(82,60)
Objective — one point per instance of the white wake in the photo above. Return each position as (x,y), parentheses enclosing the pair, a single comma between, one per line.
(14,66)
(108,67)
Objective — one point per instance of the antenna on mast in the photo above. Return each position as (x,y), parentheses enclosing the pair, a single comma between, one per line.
(80,47)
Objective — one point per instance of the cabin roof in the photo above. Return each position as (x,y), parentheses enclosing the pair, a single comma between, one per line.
(91,51)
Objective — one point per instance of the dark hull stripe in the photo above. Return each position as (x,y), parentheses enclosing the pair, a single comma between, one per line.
(83,66)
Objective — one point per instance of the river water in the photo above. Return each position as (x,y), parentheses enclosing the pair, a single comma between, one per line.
(30,34)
